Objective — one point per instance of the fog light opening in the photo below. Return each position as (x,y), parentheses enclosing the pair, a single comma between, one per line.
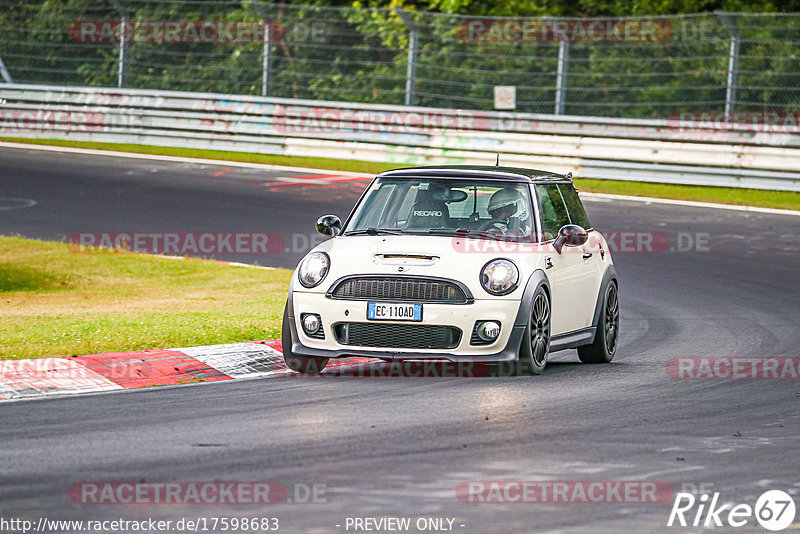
(489,330)
(311,323)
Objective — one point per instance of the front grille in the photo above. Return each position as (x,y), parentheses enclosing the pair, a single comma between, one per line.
(401,288)
(399,336)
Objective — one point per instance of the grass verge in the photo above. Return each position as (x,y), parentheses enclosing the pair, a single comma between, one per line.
(368,167)
(720,195)
(58,302)
(785,200)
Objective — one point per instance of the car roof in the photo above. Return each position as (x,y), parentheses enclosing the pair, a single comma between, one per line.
(513,174)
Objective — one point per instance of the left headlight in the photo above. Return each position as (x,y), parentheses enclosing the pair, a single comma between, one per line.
(313,269)
(499,277)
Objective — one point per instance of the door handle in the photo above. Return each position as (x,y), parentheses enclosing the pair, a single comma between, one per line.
(587,255)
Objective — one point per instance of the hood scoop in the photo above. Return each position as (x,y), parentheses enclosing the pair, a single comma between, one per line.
(404,259)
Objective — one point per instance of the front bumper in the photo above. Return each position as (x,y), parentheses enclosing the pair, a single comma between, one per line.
(462,316)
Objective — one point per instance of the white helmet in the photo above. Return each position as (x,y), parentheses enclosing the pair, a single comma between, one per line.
(503,198)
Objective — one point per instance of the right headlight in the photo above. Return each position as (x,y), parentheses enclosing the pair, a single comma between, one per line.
(313,269)
(500,277)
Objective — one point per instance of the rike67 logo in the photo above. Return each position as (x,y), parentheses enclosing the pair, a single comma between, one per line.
(774,510)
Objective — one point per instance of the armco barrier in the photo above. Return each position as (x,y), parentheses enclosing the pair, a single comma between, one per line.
(623,149)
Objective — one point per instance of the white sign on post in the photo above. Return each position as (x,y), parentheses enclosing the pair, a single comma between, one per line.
(505,97)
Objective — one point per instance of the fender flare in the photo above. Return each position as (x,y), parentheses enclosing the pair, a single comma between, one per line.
(288,316)
(537,279)
(609,276)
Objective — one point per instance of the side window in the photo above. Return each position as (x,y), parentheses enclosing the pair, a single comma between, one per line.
(577,214)
(552,210)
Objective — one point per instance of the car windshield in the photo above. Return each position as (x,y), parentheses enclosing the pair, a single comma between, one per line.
(479,208)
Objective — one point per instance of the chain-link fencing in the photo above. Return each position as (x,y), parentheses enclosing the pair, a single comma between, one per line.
(626,67)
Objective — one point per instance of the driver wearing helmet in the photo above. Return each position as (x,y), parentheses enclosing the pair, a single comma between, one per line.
(503,207)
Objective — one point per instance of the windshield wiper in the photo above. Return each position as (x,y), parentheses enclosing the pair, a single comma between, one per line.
(466,232)
(376,231)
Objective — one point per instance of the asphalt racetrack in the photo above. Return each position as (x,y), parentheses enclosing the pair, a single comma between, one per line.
(400,447)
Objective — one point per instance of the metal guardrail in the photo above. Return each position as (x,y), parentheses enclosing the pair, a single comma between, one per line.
(624,149)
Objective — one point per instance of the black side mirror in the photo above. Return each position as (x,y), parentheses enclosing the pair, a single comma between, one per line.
(329,225)
(570,235)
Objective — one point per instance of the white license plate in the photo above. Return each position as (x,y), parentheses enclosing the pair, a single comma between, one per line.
(389,311)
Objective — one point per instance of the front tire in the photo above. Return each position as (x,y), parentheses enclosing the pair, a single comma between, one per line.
(604,347)
(305,365)
(535,346)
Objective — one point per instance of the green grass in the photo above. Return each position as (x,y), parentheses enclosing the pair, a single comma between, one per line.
(785,200)
(721,195)
(59,302)
(367,167)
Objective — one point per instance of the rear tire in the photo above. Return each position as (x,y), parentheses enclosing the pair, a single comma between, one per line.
(604,347)
(535,347)
(305,365)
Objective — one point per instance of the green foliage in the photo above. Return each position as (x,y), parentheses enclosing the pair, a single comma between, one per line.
(603,8)
(358,51)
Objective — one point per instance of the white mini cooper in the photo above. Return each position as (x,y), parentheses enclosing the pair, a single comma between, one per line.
(457,263)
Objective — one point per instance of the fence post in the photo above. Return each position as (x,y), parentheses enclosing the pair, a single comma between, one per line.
(123,42)
(561,76)
(4,72)
(266,56)
(729,22)
(411,69)
(266,62)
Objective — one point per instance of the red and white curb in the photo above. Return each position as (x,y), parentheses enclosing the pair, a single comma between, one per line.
(21,379)
(111,371)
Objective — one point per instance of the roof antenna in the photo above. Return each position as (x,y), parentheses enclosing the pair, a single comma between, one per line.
(497,163)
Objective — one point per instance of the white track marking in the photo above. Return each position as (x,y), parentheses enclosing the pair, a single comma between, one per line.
(17,203)
(234,263)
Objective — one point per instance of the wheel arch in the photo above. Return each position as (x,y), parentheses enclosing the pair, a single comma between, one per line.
(536,279)
(609,276)
(288,317)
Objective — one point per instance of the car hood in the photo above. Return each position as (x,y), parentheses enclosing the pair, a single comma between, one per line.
(435,256)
